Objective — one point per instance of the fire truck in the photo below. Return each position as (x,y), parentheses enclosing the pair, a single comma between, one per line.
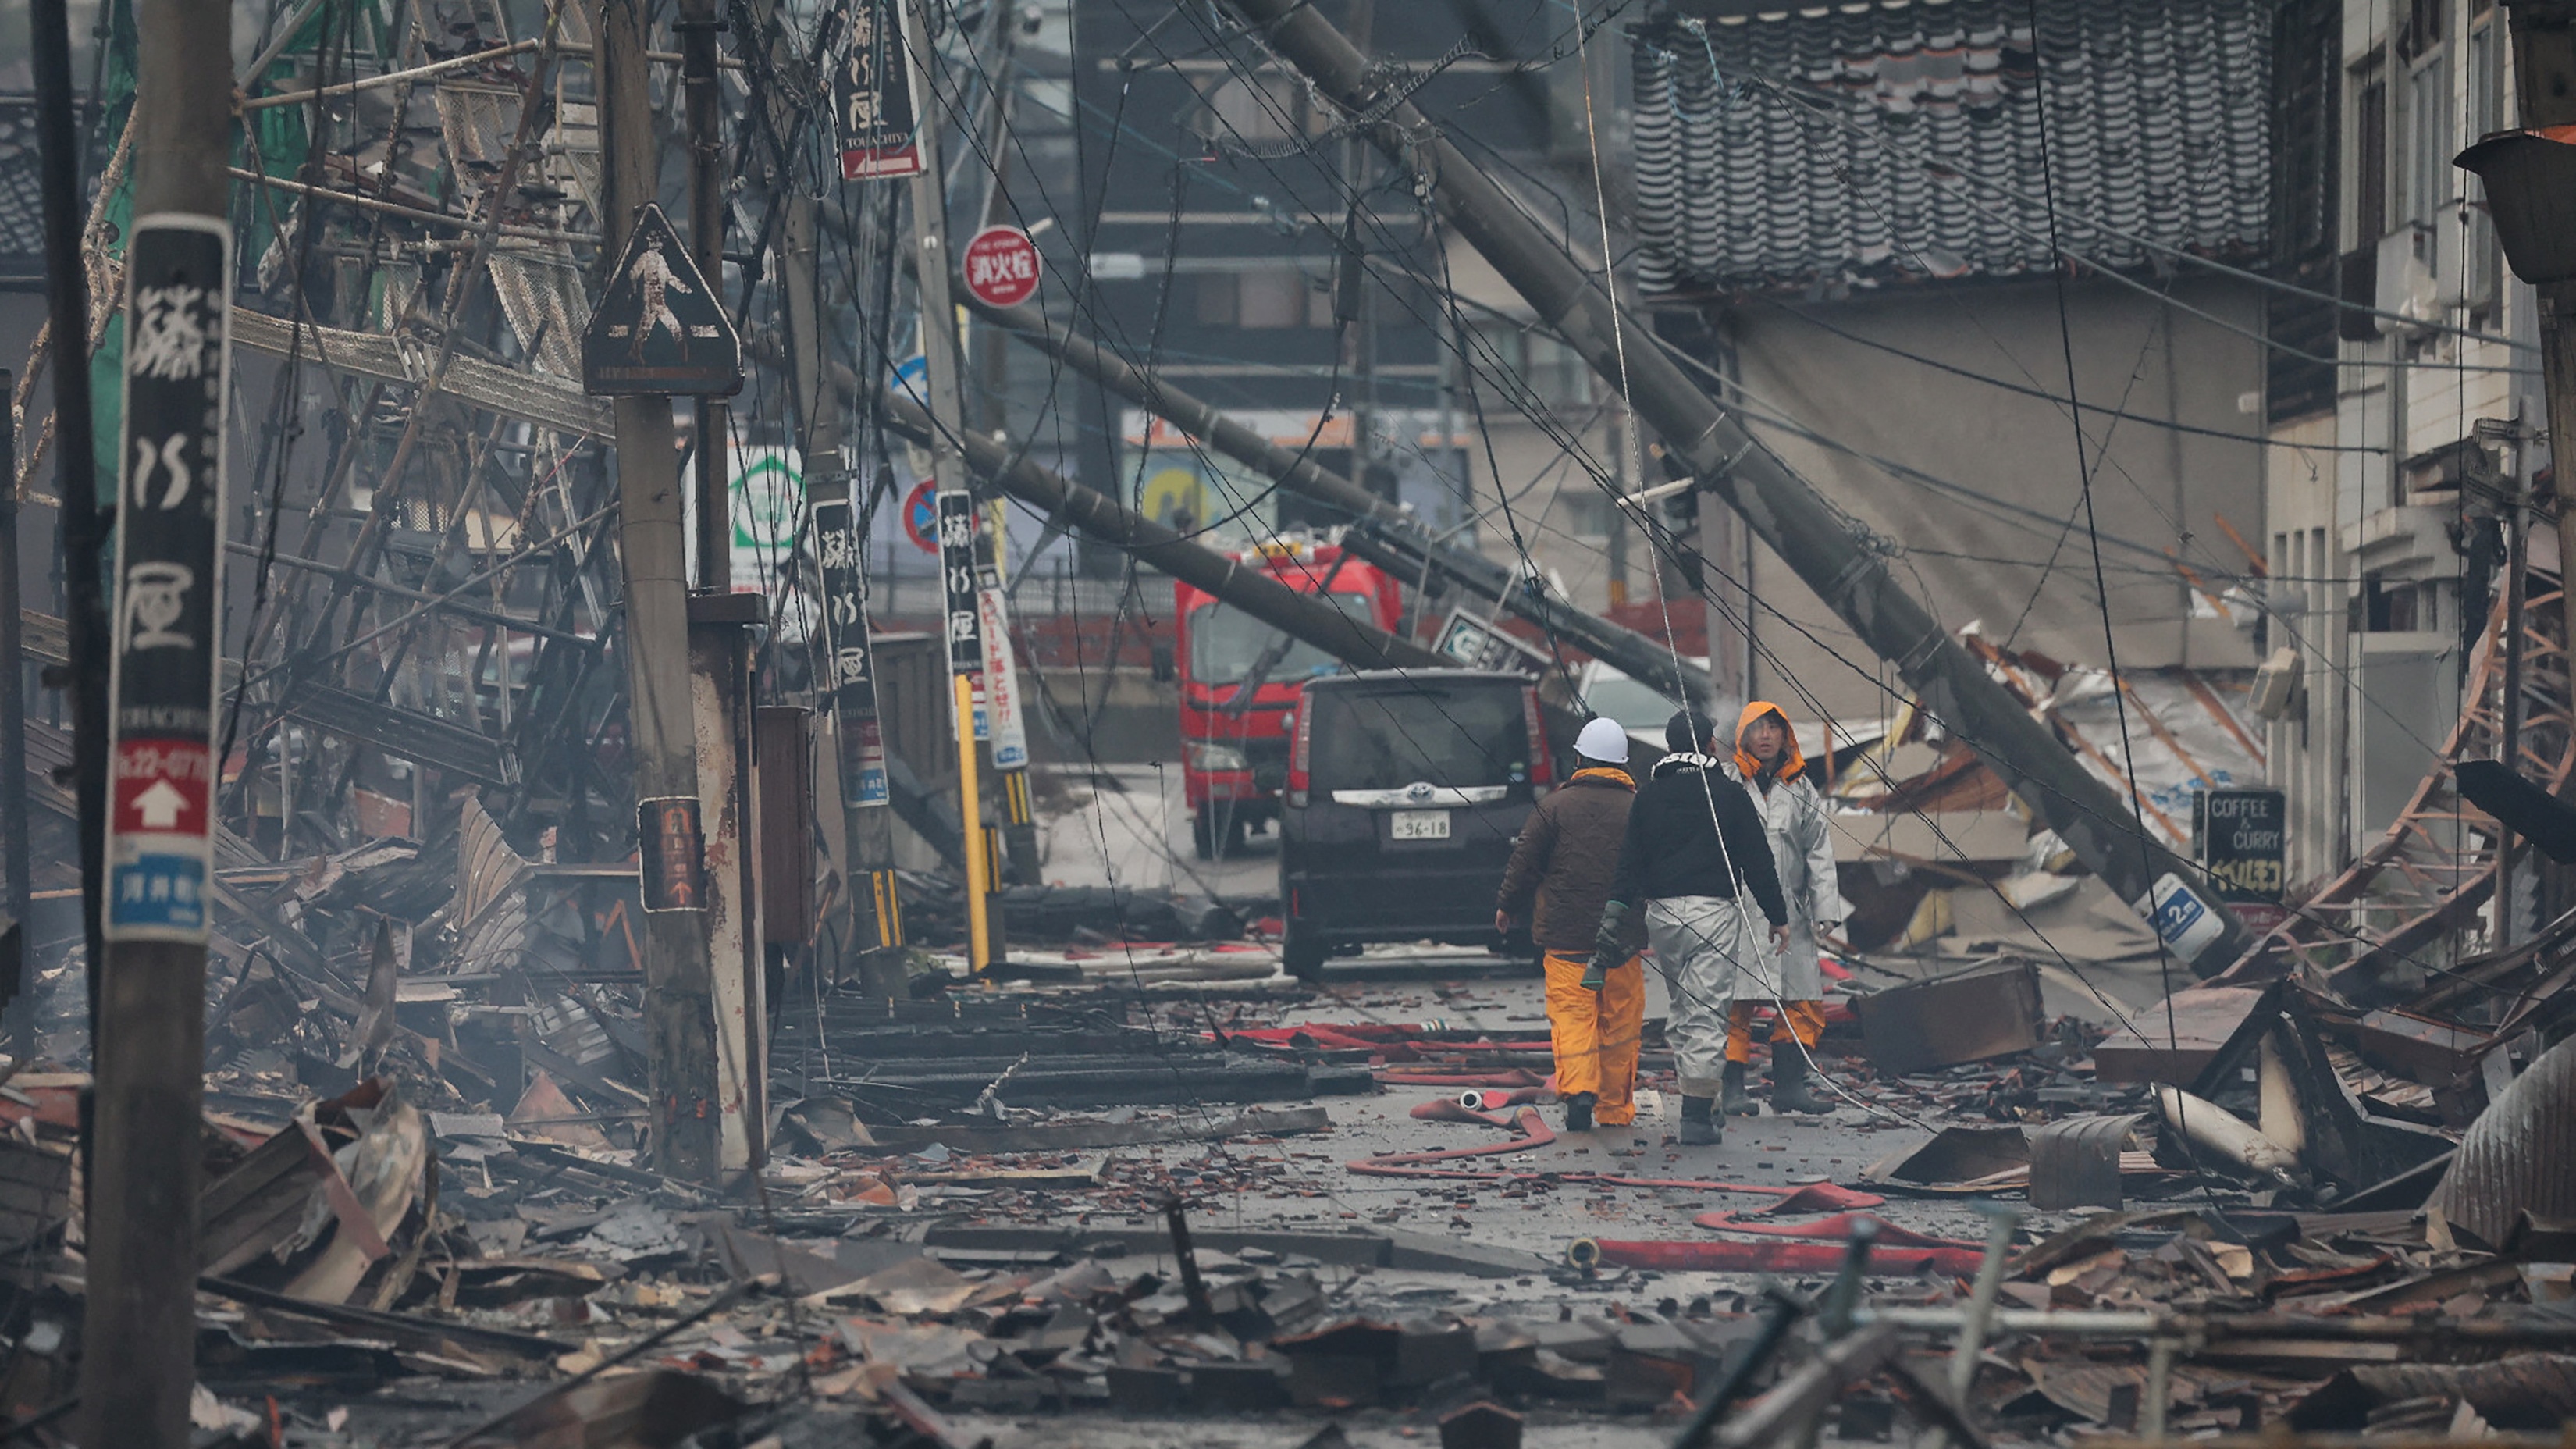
(1240,680)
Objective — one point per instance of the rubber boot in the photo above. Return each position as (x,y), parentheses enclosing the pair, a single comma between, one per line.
(1737,1102)
(1578,1112)
(1789,1094)
(1699,1128)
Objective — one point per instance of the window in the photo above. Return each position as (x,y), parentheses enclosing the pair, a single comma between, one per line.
(2483,74)
(1226,643)
(1383,737)
(1554,374)
(1263,297)
(1276,297)
(2370,155)
(2428,155)
(1220,302)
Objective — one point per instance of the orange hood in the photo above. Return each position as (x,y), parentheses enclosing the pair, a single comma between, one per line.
(1791,762)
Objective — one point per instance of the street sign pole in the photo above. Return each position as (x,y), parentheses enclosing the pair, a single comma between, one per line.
(958,566)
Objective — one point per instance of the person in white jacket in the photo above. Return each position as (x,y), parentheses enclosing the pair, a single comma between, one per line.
(1793,815)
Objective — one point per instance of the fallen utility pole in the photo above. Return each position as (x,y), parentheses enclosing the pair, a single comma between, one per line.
(139,1323)
(1004,462)
(1784,510)
(1381,532)
(679,1010)
(1301,616)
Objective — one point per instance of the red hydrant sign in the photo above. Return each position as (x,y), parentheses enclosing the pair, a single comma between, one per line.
(1002,266)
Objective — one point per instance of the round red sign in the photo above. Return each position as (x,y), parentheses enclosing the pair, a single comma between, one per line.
(1002,266)
(921,517)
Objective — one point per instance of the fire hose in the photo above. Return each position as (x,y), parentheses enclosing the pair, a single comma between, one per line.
(1533,1133)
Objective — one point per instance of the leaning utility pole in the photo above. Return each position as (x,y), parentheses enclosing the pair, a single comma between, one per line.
(1783,508)
(679,1009)
(1382,533)
(960,584)
(139,1329)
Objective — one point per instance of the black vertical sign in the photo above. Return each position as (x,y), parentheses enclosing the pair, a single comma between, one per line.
(169,552)
(872,96)
(958,581)
(851,674)
(2242,837)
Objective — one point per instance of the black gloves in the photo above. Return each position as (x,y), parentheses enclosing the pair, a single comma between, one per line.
(1606,952)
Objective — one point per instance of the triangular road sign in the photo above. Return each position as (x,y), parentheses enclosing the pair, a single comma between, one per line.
(660,328)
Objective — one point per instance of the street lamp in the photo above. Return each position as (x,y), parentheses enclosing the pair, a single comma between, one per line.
(2530,181)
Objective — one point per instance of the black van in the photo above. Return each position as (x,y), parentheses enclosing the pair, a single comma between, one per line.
(1406,789)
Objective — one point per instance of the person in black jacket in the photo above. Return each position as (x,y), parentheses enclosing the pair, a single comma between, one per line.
(1693,846)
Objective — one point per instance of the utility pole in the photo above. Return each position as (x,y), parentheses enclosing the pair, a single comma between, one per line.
(848,671)
(140,1323)
(2544,87)
(720,662)
(1381,532)
(679,1008)
(19,879)
(1782,507)
(958,565)
(75,461)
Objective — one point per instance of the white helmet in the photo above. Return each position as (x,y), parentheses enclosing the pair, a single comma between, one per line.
(1603,740)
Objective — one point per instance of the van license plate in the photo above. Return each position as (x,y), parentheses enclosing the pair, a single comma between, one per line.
(1420,825)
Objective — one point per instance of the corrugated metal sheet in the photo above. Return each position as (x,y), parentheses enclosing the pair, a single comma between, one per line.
(1790,149)
(2520,1153)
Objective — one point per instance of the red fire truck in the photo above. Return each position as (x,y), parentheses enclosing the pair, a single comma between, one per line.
(1240,680)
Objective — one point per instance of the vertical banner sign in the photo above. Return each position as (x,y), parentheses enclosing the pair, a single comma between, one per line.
(958,582)
(853,678)
(872,95)
(1006,725)
(169,547)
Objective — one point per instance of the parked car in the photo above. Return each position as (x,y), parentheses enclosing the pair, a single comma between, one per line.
(1406,790)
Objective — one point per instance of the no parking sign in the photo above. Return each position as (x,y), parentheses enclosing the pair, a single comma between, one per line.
(921,516)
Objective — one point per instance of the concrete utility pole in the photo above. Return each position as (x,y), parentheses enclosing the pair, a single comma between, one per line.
(963,610)
(848,669)
(139,1327)
(75,459)
(679,1009)
(1385,535)
(720,664)
(19,875)
(1783,508)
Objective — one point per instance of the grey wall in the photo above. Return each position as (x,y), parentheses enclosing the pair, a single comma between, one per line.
(1981,561)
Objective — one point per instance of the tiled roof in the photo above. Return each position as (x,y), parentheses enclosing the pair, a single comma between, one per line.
(1789,149)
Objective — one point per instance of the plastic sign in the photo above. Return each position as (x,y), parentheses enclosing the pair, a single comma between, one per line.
(850,679)
(958,581)
(872,97)
(2182,920)
(1001,266)
(168,581)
